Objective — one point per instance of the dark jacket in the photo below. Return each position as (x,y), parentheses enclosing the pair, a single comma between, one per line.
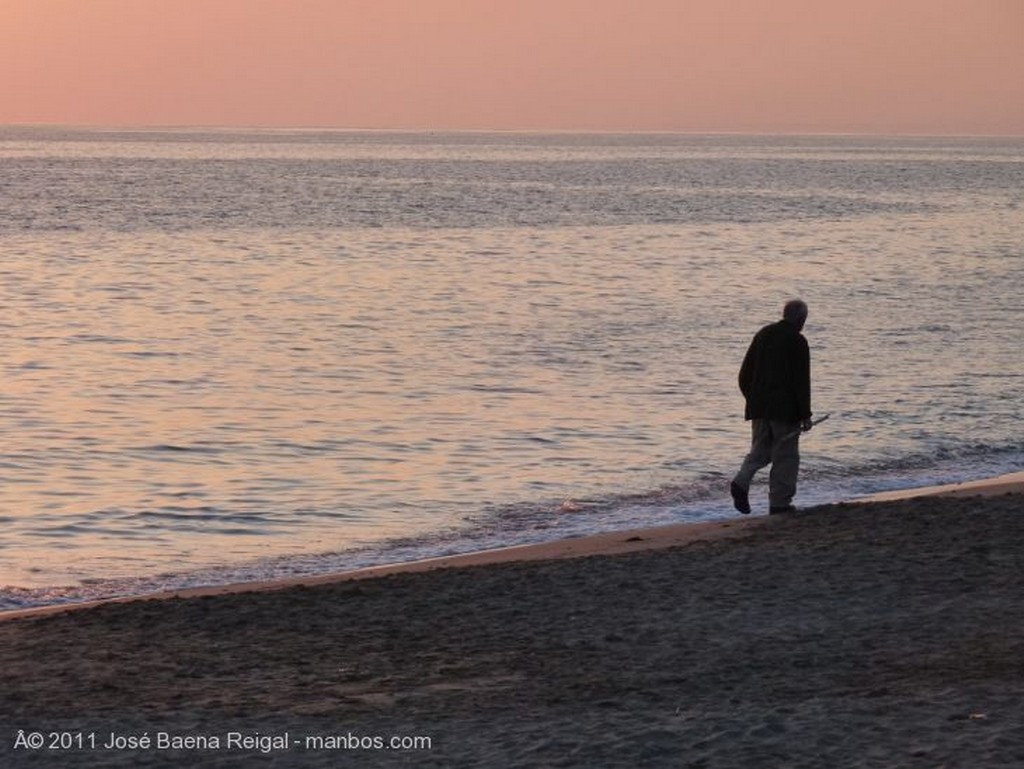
(775,377)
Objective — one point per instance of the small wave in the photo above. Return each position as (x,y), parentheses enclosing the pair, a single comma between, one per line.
(971,454)
(145,354)
(100,339)
(172,448)
(504,389)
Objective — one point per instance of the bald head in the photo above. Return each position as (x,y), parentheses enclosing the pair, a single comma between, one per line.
(795,312)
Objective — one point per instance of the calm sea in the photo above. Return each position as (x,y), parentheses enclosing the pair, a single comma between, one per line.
(236,355)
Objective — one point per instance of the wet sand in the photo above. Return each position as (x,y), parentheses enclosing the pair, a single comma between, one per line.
(876,634)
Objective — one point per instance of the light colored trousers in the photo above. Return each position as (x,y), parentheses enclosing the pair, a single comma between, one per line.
(767,447)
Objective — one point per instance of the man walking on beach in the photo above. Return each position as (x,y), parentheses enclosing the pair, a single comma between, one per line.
(775,379)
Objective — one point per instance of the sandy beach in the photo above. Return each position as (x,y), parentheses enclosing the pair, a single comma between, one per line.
(869,634)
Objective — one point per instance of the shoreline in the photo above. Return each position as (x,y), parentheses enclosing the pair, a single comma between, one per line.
(604,543)
(983,487)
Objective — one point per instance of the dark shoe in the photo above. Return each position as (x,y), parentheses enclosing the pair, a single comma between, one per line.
(739,498)
(777,510)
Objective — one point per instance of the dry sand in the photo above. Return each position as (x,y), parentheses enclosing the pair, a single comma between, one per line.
(877,634)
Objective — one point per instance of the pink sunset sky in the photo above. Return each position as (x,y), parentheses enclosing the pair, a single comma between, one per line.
(834,66)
